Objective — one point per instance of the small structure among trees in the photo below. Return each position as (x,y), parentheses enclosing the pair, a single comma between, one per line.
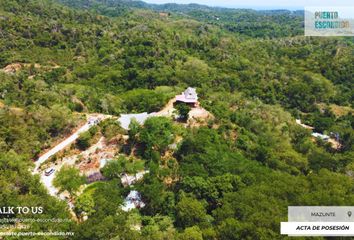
(189,96)
(140,118)
(133,200)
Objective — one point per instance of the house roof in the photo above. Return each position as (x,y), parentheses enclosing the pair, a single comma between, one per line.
(188,96)
(191,93)
(125,119)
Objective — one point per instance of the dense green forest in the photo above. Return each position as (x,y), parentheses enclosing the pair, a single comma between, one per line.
(230,179)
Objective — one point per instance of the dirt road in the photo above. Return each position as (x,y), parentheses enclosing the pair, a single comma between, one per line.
(92,121)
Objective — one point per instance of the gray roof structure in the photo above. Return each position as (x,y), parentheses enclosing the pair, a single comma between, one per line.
(125,119)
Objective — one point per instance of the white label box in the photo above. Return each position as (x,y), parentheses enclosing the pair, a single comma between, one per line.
(317,228)
(329,21)
(321,214)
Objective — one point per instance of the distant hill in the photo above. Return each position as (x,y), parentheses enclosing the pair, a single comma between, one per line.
(263,23)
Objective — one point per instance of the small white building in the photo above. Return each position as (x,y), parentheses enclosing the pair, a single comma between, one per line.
(188,96)
(128,180)
(321,136)
(132,201)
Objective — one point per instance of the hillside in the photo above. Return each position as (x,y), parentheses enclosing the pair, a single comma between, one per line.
(230,176)
(267,23)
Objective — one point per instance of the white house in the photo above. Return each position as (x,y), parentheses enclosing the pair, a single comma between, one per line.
(188,96)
